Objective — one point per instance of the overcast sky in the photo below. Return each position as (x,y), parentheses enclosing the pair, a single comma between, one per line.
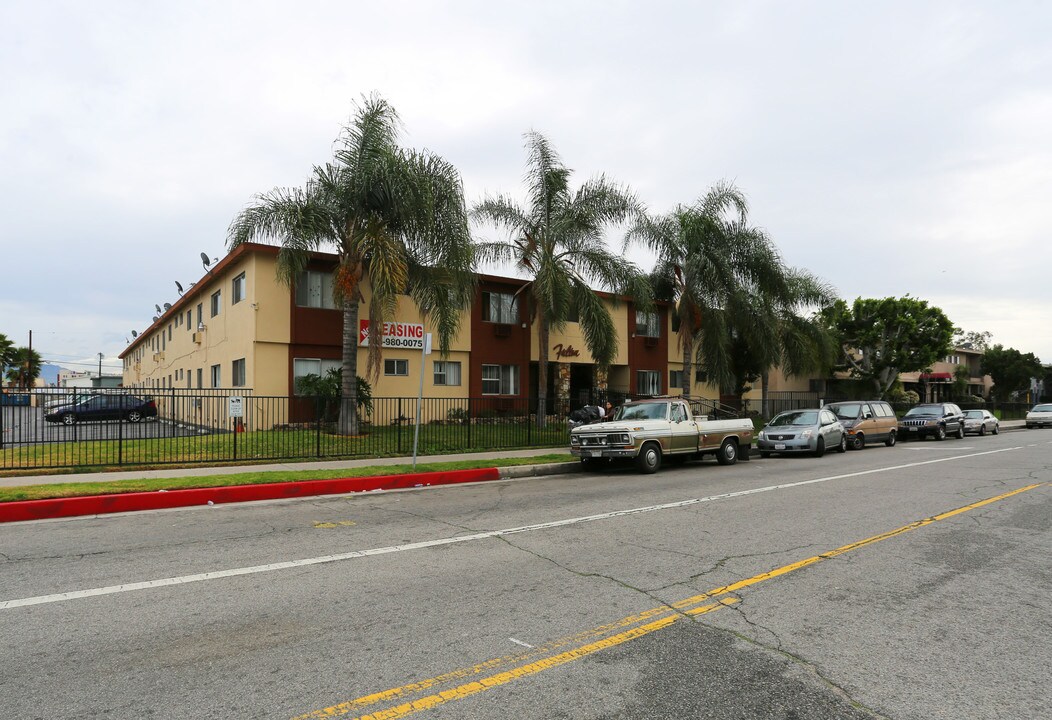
(892,148)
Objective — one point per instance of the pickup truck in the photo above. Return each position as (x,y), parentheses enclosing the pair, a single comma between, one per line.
(649,430)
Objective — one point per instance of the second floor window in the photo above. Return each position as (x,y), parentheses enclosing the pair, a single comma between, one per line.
(217,302)
(500,308)
(647,324)
(314,290)
(238,289)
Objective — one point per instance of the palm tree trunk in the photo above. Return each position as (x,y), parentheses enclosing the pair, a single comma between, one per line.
(542,370)
(688,366)
(765,382)
(348,424)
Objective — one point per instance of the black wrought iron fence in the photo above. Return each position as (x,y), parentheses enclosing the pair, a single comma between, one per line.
(137,428)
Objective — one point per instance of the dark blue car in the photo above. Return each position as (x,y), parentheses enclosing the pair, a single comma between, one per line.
(103,407)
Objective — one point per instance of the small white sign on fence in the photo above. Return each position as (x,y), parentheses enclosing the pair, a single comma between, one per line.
(236,406)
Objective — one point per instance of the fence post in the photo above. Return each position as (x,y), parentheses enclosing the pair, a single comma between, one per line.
(468,420)
(120,433)
(529,425)
(318,406)
(234,421)
(398,423)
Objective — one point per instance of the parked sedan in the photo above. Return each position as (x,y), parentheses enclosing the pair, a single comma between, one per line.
(980,422)
(796,431)
(1040,416)
(103,407)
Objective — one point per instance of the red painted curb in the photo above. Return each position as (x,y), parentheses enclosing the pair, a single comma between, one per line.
(156,500)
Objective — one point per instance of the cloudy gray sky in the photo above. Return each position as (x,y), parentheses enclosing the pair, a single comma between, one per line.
(892,148)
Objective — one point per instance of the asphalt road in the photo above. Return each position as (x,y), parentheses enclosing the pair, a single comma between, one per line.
(907,582)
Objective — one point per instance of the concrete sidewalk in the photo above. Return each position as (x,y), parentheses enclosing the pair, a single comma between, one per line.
(20,480)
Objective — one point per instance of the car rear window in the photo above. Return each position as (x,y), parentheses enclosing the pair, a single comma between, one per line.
(1042,408)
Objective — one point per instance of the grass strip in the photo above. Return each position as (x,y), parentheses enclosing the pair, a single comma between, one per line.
(81,489)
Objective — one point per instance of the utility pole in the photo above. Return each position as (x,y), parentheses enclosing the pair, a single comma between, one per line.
(100,369)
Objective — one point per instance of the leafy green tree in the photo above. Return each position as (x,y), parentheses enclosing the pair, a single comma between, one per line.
(557,238)
(972,340)
(707,257)
(328,389)
(1011,370)
(961,377)
(881,338)
(396,218)
(24,367)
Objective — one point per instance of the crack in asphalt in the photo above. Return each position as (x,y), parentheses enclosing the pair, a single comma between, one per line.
(722,562)
(795,658)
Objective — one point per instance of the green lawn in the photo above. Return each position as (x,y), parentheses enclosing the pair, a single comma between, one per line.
(269,445)
(79,489)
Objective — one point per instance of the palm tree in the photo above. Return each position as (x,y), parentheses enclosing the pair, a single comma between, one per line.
(23,367)
(557,240)
(7,349)
(396,218)
(707,255)
(776,331)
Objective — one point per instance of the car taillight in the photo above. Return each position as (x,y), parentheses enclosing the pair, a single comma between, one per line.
(151,405)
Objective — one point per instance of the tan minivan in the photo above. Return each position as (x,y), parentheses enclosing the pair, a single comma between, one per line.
(866,421)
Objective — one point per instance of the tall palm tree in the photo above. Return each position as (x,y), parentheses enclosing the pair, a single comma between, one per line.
(706,256)
(7,349)
(557,240)
(396,218)
(776,329)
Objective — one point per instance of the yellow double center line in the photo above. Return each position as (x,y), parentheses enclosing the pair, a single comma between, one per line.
(639,625)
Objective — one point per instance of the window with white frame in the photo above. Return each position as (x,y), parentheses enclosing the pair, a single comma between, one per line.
(648,382)
(500,379)
(302,367)
(237,373)
(500,308)
(647,324)
(217,376)
(217,302)
(314,290)
(396,367)
(237,291)
(447,372)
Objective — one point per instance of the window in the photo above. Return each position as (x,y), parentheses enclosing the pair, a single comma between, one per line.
(217,378)
(675,378)
(500,379)
(189,379)
(500,308)
(200,315)
(396,367)
(648,382)
(647,324)
(217,302)
(200,378)
(169,331)
(302,367)
(237,292)
(447,373)
(178,319)
(189,320)
(314,289)
(164,343)
(237,373)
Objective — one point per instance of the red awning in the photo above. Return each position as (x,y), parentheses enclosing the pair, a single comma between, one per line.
(936,376)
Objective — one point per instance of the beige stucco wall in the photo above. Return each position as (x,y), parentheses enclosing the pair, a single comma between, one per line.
(572,334)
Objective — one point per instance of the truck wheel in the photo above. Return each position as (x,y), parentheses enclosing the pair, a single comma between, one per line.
(649,458)
(728,453)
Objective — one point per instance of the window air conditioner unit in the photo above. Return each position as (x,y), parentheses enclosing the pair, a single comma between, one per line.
(198,337)
(502,330)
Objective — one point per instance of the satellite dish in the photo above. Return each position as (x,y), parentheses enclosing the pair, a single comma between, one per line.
(135,334)
(167,307)
(178,287)
(157,308)
(206,262)
(155,318)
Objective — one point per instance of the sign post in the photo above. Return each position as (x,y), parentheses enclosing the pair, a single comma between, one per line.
(425,350)
(236,410)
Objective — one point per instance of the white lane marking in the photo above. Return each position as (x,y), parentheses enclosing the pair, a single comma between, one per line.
(287,565)
(520,642)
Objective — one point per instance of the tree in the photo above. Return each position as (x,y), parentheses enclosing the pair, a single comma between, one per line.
(777,329)
(972,340)
(1011,370)
(7,350)
(396,218)
(327,390)
(558,240)
(23,367)
(708,258)
(881,338)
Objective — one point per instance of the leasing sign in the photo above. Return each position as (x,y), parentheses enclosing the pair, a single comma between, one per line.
(406,336)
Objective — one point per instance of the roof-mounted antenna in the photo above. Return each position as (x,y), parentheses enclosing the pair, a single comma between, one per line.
(179,287)
(167,307)
(208,263)
(158,308)
(135,334)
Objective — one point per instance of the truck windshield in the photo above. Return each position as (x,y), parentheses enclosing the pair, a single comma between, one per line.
(642,411)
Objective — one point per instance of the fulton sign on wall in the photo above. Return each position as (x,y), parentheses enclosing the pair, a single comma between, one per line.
(407,336)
